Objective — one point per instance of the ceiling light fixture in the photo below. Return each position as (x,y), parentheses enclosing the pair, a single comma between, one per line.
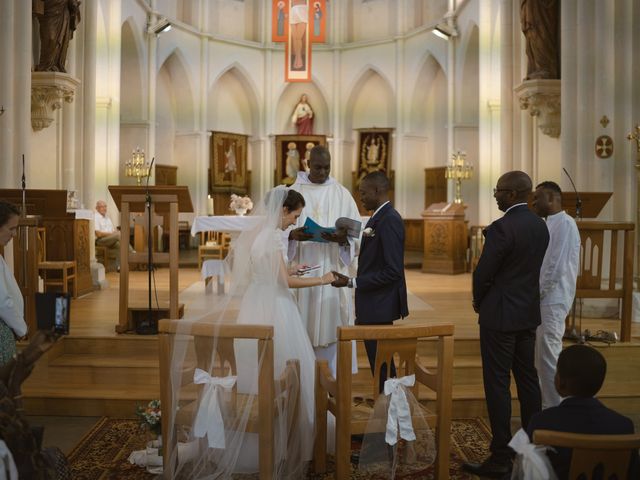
(444,31)
(162,26)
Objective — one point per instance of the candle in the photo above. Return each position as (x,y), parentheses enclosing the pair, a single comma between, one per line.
(209,205)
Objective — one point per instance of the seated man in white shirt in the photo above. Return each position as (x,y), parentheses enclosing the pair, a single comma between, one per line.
(106,233)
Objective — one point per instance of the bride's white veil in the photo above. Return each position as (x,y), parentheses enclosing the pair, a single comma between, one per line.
(214,410)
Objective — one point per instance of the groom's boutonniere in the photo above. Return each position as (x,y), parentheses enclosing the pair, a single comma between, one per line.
(368,232)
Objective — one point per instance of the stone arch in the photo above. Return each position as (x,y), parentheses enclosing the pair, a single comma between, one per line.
(359,112)
(233,103)
(132,98)
(468,76)
(288,98)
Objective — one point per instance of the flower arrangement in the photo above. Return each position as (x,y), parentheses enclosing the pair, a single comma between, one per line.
(240,203)
(151,416)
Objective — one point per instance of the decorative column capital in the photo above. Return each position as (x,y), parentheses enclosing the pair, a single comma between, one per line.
(542,99)
(48,91)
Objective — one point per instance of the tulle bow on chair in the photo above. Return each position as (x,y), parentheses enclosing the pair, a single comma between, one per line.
(209,420)
(399,412)
(532,462)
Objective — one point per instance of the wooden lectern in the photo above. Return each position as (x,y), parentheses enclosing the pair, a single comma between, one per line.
(68,238)
(592,203)
(164,198)
(445,239)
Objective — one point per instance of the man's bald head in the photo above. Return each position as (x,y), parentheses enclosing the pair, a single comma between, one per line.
(517,181)
(512,188)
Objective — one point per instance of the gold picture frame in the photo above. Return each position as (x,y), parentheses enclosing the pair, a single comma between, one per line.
(292,153)
(228,168)
(374,151)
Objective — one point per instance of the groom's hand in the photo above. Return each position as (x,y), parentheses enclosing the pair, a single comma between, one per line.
(299,234)
(340,281)
(339,237)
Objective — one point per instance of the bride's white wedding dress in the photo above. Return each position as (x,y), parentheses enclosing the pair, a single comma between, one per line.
(270,302)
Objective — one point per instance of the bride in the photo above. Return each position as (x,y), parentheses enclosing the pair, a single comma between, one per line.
(260,286)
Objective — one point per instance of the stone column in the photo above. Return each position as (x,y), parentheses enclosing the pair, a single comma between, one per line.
(22,89)
(7,98)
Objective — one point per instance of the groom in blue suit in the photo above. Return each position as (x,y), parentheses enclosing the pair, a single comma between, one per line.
(380,286)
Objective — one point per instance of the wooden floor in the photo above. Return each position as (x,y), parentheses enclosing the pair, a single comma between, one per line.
(438,298)
(95,371)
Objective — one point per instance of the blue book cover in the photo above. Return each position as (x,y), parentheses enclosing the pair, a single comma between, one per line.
(316,230)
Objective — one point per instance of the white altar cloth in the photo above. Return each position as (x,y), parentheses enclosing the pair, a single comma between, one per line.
(226,223)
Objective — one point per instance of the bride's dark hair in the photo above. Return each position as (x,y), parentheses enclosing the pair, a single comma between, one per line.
(294,200)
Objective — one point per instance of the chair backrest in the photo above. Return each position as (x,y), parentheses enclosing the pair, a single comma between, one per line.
(403,341)
(594,456)
(208,336)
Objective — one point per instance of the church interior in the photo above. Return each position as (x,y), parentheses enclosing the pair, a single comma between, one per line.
(196,101)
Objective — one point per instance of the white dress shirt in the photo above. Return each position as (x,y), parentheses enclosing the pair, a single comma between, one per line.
(103,224)
(11,301)
(559,269)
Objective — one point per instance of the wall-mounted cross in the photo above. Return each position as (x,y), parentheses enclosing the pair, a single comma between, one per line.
(298,24)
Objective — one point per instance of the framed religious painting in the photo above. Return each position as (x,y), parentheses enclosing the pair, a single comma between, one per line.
(298,24)
(292,155)
(228,166)
(374,151)
(279,20)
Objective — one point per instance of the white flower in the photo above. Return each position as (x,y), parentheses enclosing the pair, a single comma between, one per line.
(238,202)
(368,232)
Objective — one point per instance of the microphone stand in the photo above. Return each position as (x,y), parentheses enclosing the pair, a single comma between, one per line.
(24,238)
(148,328)
(574,334)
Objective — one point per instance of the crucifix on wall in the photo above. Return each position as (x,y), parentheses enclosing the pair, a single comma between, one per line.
(299,24)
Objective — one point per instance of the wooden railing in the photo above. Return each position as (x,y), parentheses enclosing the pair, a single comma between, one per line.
(593,237)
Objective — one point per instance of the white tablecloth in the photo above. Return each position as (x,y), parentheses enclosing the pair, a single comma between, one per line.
(226,223)
(213,268)
(82,213)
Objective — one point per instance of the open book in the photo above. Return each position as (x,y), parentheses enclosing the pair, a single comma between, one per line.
(350,225)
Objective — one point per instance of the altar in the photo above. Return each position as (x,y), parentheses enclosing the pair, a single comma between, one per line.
(223,223)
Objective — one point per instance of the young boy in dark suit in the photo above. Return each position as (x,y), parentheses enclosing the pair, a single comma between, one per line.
(579,376)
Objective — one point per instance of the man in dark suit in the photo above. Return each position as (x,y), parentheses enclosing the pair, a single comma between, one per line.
(381,289)
(579,376)
(506,294)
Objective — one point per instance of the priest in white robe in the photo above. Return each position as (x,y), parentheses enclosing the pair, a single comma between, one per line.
(324,308)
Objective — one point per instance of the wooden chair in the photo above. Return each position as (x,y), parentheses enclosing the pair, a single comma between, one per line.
(610,454)
(262,417)
(66,268)
(334,395)
(211,247)
(595,237)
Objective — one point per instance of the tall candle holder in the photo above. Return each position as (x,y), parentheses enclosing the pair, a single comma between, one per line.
(459,170)
(138,166)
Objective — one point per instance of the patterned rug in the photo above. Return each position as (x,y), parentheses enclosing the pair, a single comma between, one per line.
(103,453)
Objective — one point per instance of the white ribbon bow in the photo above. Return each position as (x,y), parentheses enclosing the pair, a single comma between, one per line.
(209,418)
(533,463)
(399,412)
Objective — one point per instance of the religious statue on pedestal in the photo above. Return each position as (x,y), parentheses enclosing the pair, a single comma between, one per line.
(539,19)
(58,19)
(302,117)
